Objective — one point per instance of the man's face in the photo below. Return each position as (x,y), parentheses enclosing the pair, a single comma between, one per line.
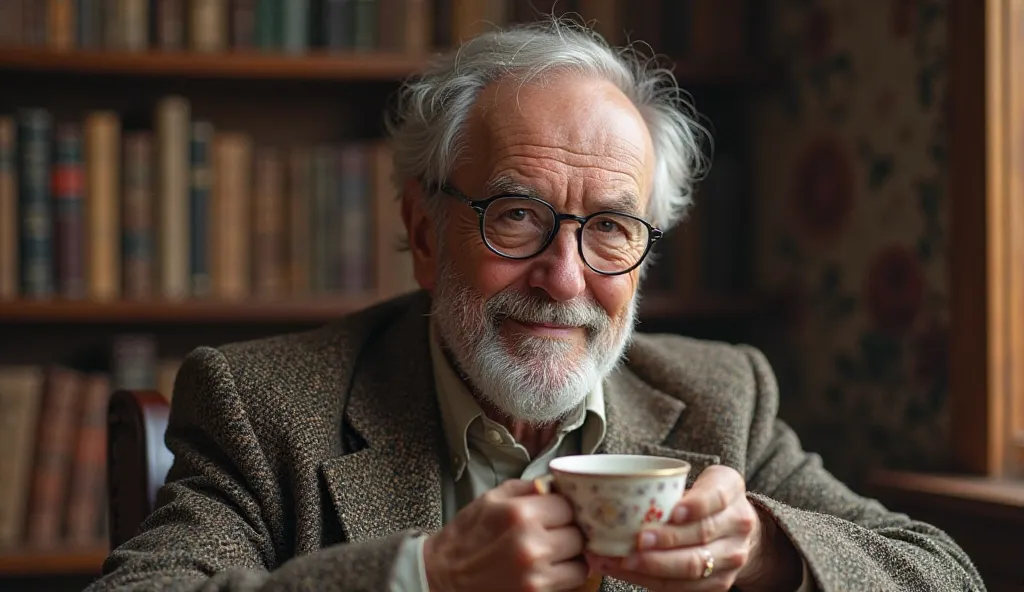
(534,336)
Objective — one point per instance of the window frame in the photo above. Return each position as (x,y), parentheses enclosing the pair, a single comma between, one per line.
(986,229)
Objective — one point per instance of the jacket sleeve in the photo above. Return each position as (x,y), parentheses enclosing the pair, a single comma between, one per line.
(224,519)
(849,542)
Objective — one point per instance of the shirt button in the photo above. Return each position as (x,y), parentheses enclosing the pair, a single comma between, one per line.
(494,437)
(456,460)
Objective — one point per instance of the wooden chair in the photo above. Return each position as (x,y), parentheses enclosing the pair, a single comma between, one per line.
(137,459)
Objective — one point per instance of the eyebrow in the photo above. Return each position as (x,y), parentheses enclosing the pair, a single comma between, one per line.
(625,202)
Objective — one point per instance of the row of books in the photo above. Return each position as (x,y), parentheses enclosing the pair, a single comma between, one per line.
(701,28)
(287,26)
(53,432)
(89,210)
(53,442)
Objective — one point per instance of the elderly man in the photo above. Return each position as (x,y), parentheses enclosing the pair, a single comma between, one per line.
(393,449)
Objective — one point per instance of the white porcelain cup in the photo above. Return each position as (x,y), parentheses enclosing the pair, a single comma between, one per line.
(615,495)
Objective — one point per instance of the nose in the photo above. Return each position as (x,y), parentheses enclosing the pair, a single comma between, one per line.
(559,271)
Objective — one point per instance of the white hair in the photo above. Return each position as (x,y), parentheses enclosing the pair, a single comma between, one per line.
(432,108)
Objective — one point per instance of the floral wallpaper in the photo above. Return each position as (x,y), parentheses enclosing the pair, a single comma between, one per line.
(850,174)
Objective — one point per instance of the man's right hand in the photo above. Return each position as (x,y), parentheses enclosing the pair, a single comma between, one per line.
(508,539)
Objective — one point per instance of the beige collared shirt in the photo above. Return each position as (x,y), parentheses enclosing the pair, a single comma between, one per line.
(483,454)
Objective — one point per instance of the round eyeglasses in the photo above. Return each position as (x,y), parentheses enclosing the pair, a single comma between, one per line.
(520,227)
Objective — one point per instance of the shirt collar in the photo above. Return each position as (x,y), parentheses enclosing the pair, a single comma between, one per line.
(459,410)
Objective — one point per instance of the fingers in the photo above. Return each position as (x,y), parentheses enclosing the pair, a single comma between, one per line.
(514,505)
(567,575)
(737,520)
(713,491)
(566,542)
(728,555)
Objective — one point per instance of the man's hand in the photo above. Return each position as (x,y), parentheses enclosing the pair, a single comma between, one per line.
(510,538)
(714,522)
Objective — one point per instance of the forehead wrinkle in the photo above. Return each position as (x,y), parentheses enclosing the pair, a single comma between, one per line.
(621,162)
(623,201)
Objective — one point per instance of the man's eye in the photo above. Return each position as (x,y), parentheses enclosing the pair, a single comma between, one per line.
(516,215)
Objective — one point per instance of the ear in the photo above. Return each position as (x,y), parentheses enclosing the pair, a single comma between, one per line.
(420,229)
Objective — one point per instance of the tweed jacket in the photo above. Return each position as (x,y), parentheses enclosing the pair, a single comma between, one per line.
(302,462)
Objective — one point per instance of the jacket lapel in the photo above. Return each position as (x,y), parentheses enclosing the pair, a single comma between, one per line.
(394,482)
(644,420)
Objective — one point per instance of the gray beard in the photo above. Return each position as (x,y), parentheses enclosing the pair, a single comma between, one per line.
(536,380)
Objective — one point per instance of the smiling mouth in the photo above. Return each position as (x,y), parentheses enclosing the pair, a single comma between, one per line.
(546,329)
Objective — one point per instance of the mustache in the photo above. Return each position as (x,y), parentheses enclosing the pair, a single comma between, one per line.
(532,308)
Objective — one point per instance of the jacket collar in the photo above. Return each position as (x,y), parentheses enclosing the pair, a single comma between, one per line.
(394,482)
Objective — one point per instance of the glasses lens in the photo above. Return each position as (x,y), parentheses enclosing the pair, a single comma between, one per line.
(517,226)
(614,242)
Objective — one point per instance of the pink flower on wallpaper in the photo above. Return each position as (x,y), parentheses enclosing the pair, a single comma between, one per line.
(824,189)
(895,288)
(904,17)
(818,31)
(931,353)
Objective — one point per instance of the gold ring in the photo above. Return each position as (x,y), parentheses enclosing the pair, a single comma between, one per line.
(709,563)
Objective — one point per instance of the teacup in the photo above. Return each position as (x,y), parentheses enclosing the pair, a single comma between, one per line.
(616,495)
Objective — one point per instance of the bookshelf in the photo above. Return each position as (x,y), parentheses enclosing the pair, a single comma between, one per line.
(235,65)
(319,66)
(82,561)
(330,90)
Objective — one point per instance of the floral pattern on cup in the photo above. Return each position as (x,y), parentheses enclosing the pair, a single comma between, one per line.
(618,499)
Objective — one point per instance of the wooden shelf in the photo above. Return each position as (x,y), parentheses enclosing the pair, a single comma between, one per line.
(228,65)
(197,311)
(304,311)
(314,66)
(950,490)
(51,562)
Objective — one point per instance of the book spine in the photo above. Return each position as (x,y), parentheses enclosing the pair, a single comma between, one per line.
(268,22)
(55,434)
(231,216)
(103,159)
(299,175)
(68,188)
(172,135)
(35,214)
(61,27)
(364,24)
(243,24)
(90,31)
(338,25)
(319,215)
(295,28)
(208,25)
(113,24)
(21,391)
(200,184)
(87,488)
(418,26)
(170,24)
(268,225)
(8,210)
(35,22)
(12,19)
(136,24)
(137,216)
(355,220)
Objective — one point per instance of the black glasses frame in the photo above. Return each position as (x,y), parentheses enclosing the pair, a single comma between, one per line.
(480,207)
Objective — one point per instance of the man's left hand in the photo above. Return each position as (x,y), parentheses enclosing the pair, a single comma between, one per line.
(714,528)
